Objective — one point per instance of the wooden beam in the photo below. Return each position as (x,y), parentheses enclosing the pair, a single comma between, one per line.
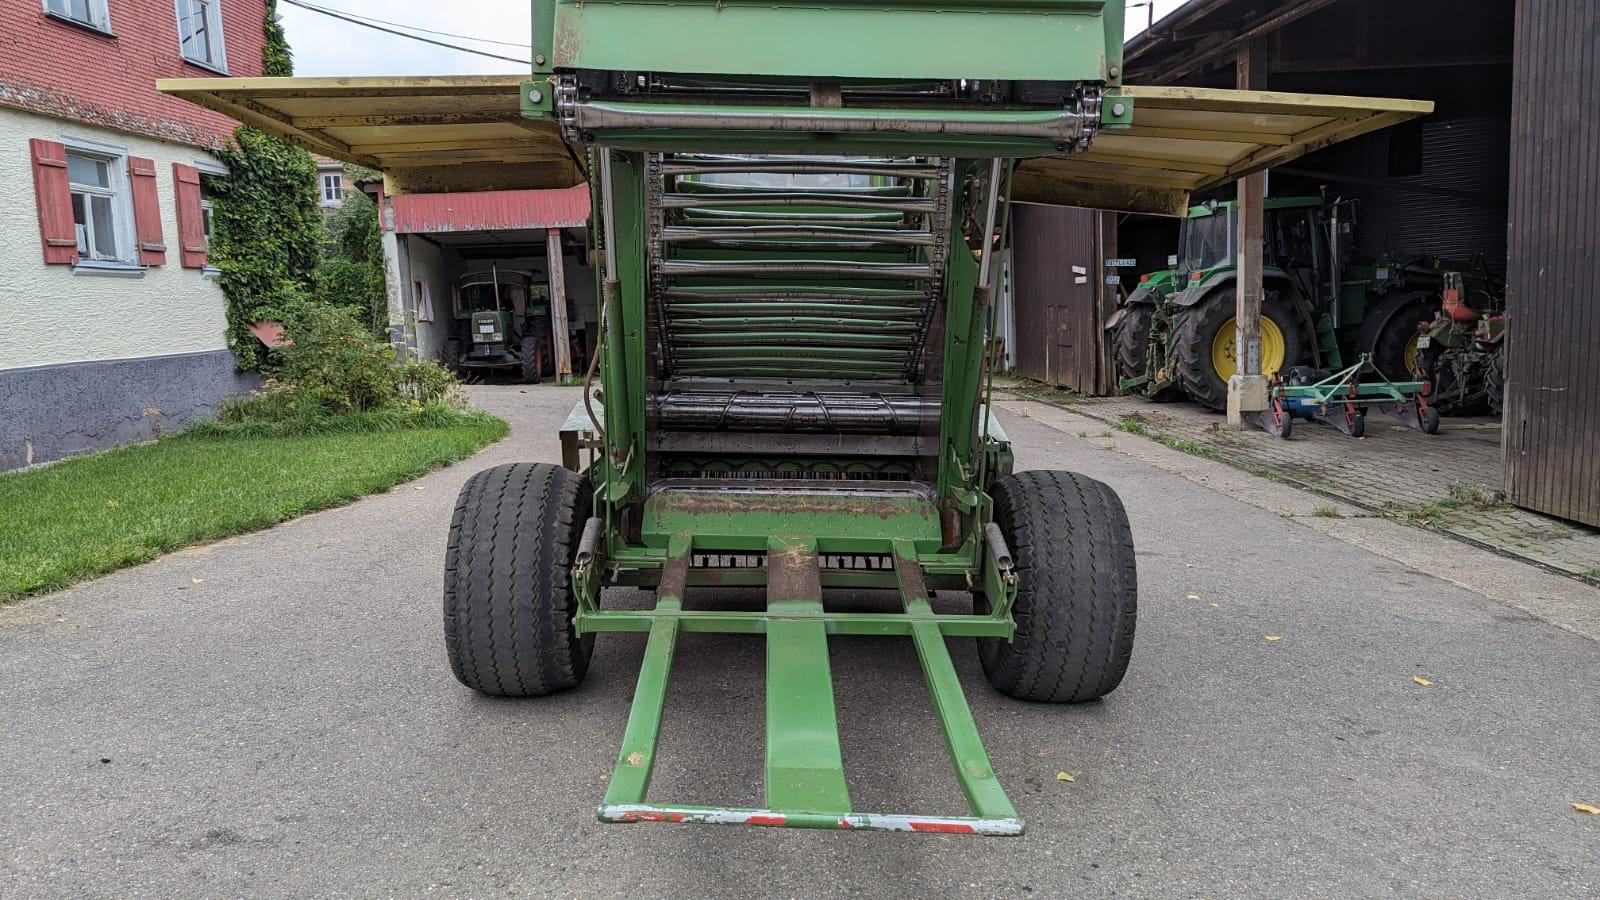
(385,120)
(560,333)
(1246,390)
(1243,41)
(1197,134)
(1051,190)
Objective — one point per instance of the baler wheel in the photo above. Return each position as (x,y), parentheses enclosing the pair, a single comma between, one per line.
(508,599)
(1077,592)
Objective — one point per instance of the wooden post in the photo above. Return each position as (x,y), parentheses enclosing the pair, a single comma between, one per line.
(1247,389)
(560,336)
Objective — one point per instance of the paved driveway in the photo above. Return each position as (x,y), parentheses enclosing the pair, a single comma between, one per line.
(273,715)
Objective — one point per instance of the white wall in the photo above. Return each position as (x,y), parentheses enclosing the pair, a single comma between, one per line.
(48,315)
(437,268)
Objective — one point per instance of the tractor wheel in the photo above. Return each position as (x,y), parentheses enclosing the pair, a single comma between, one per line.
(528,350)
(1077,591)
(450,354)
(1131,340)
(1389,333)
(1494,382)
(1203,344)
(508,600)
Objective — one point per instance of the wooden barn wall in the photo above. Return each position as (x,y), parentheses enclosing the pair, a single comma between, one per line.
(1552,417)
(1057,266)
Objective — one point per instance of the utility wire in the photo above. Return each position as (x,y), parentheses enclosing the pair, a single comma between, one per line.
(353,21)
(464,37)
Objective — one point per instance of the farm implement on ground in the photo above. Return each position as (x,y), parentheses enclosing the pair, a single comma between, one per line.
(797,212)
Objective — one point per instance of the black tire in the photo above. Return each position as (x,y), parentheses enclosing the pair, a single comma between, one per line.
(1388,328)
(508,600)
(450,354)
(1198,328)
(1131,346)
(528,351)
(1494,382)
(1430,421)
(1077,592)
(1358,425)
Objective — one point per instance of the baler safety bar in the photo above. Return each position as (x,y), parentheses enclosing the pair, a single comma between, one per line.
(1058,125)
(805,781)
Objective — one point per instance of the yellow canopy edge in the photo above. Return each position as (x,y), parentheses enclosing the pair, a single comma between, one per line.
(426,134)
(1184,140)
(467,133)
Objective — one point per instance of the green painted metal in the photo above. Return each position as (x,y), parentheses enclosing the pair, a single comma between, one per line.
(630,780)
(845,273)
(984,793)
(1052,40)
(805,767)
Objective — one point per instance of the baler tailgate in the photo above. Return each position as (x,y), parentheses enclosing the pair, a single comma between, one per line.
(805,779)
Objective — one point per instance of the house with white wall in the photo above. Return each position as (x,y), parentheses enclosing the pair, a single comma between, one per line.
(111,321)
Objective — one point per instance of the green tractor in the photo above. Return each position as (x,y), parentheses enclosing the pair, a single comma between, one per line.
(499,322)
(1174,337)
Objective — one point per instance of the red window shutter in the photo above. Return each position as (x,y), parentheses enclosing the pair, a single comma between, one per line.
(191,225)
(146,212)
(54,199)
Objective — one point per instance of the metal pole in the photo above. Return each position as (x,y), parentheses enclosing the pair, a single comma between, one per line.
(988,223)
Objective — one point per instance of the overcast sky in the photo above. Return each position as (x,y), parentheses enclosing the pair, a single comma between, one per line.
(326,46)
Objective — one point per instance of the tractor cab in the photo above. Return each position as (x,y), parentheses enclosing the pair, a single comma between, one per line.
(498,323)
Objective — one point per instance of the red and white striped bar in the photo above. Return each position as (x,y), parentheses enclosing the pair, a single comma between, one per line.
(853,821)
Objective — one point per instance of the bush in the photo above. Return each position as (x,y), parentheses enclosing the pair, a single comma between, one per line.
(351,275)
(333,367)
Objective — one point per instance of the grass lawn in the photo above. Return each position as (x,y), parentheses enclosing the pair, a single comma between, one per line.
(87,516)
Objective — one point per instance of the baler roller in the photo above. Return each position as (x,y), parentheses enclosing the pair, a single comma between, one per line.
(782,267)
(691,166)
(812,412)
(756,236)
(796,198)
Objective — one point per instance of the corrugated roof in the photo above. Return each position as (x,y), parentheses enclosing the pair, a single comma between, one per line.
(491,210)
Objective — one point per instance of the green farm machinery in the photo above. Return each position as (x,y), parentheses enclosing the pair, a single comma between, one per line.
(1320,309)
(498,322)
(797,211)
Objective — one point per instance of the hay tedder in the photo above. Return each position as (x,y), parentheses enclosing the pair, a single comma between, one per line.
(797,215)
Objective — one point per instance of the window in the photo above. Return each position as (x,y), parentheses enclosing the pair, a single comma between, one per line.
(200,33)
(206,196)
(332,188)
(85,12)
(97,205)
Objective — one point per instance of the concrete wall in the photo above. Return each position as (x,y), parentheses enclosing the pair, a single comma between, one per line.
(89,361)
(51,412)
(437,268)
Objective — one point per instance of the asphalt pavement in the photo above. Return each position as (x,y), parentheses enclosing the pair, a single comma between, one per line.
(272,715)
